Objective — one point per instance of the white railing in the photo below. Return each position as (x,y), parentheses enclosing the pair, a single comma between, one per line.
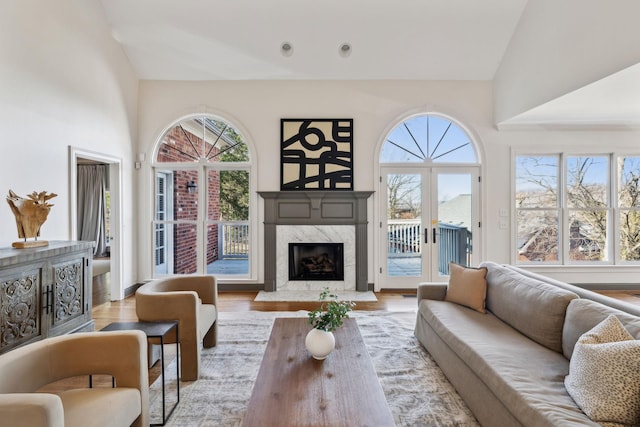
(234,241)
(404,237)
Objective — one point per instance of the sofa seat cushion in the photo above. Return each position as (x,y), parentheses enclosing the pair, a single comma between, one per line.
(207,315)
(517,300)
(97,407)
(527,377)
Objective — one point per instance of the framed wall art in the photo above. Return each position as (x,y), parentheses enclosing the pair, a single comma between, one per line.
(316,154)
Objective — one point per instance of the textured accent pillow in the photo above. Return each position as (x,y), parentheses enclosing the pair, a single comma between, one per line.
(604,374)
(467,286)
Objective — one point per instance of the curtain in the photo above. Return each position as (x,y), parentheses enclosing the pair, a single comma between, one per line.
(92,180)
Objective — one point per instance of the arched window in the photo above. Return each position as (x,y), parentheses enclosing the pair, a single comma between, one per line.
(202,199)
(428,138)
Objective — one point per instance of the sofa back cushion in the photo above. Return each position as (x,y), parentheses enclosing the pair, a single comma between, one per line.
(583,315)
(533,307)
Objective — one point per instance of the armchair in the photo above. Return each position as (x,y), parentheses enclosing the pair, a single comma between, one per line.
(192,300)
(26,370)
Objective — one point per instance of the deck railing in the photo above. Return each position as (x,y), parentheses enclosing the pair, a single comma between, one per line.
(233,242)
(454,242)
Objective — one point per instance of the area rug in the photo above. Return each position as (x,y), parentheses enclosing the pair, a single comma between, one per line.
(312,296)
(417,391)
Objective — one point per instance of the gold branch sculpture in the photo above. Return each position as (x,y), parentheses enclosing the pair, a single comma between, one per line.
(30,212)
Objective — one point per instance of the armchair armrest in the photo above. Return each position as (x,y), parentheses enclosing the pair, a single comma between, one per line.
(431,290)
(31,410)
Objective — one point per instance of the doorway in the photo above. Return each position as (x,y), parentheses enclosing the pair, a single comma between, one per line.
(429,218)
(429,201)
(108,264)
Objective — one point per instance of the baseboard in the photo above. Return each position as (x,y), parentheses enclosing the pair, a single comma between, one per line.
(132,289)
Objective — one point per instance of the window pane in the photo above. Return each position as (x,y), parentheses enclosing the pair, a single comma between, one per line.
(587,182)
(537,235)
(228,195)
(630,235)
(175,248)
(628,182)
(588,235)
(202,138)
(536,181)
(228,249)
(428,138)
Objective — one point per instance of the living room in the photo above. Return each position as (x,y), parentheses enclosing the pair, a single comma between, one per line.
(82,79)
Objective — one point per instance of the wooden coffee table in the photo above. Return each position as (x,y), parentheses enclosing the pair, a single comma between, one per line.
(294,389)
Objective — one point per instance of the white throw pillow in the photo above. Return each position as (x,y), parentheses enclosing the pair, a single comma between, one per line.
(604,374)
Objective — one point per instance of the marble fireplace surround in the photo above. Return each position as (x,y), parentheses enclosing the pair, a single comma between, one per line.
(315,208)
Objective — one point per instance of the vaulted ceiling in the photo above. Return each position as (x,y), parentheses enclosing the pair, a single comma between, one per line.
(397,40)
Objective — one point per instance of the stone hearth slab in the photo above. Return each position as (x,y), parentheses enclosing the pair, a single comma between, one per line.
(313,296)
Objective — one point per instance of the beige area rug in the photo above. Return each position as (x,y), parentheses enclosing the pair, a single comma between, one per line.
(311,296)
(417,391)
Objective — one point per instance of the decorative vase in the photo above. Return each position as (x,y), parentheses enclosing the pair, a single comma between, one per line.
(320,343)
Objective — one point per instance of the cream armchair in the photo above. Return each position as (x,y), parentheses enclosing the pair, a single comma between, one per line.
(27,369)
(192,300)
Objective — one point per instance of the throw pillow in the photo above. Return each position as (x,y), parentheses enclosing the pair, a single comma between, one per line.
(467,286)
(604,374)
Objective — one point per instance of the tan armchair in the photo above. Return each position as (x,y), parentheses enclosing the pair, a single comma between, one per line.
(27,369)
(192,300)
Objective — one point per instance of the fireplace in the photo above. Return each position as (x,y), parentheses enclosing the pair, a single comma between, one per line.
(315,216)
(316,261)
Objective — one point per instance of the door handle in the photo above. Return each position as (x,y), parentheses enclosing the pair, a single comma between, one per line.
(434,234)
(426,235)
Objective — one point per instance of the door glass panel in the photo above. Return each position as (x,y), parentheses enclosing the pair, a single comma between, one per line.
(404,225)
(454,221)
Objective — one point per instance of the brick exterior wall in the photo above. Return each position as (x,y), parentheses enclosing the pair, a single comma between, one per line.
(177,147)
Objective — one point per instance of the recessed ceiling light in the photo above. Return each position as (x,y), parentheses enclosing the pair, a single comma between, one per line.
(344,50)
(286,49)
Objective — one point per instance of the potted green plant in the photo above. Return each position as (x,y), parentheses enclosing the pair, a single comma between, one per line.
(325,319)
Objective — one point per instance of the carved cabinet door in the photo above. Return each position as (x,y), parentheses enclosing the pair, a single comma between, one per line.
(68,293)
(20,306)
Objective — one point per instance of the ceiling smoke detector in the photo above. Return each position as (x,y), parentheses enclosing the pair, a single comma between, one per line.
(344,50)
(286,49)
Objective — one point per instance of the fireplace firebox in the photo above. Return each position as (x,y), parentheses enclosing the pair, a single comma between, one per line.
(316,261)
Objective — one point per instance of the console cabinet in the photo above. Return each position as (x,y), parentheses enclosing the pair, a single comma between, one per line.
(44,292)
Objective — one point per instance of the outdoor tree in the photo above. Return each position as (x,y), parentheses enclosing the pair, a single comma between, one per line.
(403,192)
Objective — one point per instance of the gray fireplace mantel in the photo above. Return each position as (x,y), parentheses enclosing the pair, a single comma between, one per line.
(315,208)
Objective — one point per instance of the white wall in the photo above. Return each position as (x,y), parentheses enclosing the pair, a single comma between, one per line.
(63,82)
(560,46)
(257,107)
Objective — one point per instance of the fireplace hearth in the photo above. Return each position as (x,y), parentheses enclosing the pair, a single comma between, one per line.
(316,261)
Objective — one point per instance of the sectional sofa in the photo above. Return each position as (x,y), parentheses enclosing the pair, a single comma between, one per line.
(526,350)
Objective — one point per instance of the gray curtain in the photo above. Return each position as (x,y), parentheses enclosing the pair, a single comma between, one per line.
(92,181)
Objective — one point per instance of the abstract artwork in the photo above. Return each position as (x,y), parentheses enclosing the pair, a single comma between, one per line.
(316,154)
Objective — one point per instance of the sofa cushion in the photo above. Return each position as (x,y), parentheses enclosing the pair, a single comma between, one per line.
(518,300)
(604,374)
(89,407)
(525,376)
(583,315)
(467,286)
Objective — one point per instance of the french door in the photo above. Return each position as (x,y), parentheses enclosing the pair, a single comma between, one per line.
(429,218)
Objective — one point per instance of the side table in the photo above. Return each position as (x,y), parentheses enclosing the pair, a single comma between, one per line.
(157,330)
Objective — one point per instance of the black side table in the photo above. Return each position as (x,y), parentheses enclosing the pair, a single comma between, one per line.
(157,330)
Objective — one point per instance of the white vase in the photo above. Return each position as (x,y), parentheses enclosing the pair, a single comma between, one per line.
(320,343)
